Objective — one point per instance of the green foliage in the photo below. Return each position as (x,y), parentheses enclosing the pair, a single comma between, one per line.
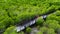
(21,32)
(39,32)
(43,29)
(52,24)
(46,30)
(28,30)
(19,11)
(4,19)
(57,30)
(39,21)
(10,30)
(51,17)
(51,31)
(54,16)
(57,13)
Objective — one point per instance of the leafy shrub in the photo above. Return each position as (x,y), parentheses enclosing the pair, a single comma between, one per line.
(39,32)
(57,13)
(40,21)
(46,30)
(52,24)
(10,30)
(21,32)
(4,19)
(51,31)
(28,30)
(53,16)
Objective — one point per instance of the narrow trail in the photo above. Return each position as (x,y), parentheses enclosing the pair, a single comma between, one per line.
(23,26)
(32,22)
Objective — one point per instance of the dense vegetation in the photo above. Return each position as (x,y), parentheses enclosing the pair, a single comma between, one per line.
(14,12)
